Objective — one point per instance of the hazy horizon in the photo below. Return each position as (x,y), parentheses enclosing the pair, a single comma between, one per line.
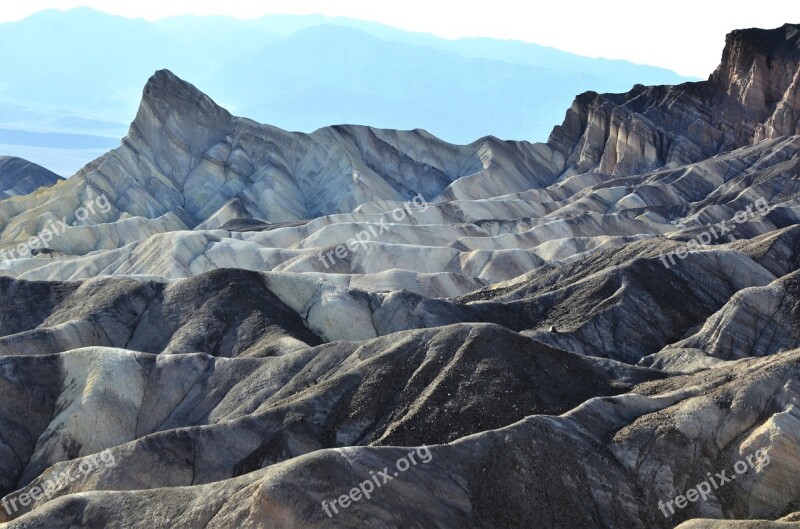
(585,28)
(65,100)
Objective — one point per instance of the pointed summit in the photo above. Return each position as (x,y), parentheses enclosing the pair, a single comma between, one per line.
(166,90)
(174,107)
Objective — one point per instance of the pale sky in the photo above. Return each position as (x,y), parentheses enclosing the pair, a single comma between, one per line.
(686,36)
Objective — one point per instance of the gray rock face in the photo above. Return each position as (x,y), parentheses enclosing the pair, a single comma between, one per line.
(430,387)
(185,151)
(577,334)
(491,477)
(227,313)
(752,96)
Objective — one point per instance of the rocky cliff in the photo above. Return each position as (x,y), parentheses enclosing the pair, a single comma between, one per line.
(752,96)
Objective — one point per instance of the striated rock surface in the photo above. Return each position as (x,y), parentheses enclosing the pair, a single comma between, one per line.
(753,95)
(571,334)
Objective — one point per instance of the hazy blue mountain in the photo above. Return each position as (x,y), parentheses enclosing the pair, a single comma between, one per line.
(302,83)
(512,51)
(71,80)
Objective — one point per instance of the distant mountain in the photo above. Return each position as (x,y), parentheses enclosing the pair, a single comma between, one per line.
(20,177)
(78,91)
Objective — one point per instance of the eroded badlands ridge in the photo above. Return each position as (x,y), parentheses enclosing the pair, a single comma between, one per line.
(21,177)
(546,322)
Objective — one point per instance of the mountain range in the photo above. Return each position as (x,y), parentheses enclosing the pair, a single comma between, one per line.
(575,333)
(65,100)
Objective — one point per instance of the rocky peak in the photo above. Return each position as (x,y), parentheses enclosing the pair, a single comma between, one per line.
(758,65)
(170,94)
(753,95)
(176,109)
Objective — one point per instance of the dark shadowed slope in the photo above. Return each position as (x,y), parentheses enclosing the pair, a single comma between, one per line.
(20,177)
